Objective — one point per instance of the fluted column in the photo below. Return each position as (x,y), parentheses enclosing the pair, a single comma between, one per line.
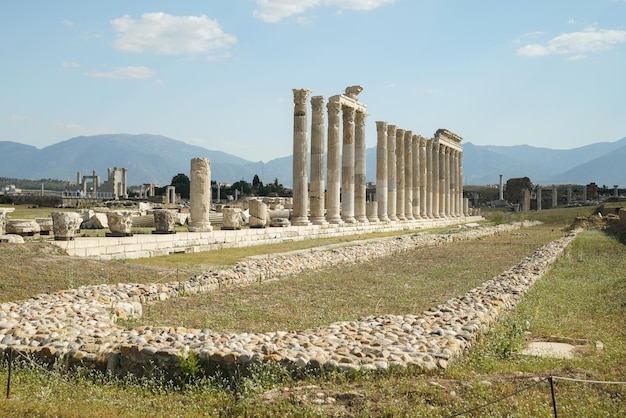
(400,174)
(442,180)
(381,170)
(435,179)
(460,187)
(300,158)
(391,166)
(408,175)
(454,178)
(334,162)
(317,161)
(416,176)
(429,178)
(448,210)
(423,173)
(199,195)
(347,166)
(360,187)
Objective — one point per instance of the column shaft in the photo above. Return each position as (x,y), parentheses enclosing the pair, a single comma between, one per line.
(408,175)
(391,166)
(333,162)
(435,179)
(381,170)
(400,175)
(347,166)
(429,178)
(360,186)
(416,177)
(199,195)
(317,161)
(300,158)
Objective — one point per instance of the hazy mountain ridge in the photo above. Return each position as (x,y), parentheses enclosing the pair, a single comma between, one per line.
(156,159)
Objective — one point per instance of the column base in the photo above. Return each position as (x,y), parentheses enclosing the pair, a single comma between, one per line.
(349,220)
(319,221)
(199,227)
(300,222)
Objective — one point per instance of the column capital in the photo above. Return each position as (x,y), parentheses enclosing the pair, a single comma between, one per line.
(348,114)
(300,96)
(408,134)
(381,126)
(333,107)
(391,129)
(399,132)
(360,118)
(317,103)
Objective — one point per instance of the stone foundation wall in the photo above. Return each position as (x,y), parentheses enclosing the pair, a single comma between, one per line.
(77,326)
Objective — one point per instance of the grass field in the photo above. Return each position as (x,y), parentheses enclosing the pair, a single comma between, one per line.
(584,297)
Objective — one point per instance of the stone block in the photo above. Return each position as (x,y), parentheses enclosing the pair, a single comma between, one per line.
(232,218)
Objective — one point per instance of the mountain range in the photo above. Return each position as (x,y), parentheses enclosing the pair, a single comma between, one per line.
(156,159)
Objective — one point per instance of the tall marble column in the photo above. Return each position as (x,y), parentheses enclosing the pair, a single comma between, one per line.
(448,176)
(555,196)
(360,186)
(300,158)
(460,183)
(442,180)
(415,163)
(199,195)
(423,173)
(400,175)
(347,165)
(429,178)
(435,171)
(408,175)
(317,161)
(333,162)
(453,183)
(381,170)
(391,166)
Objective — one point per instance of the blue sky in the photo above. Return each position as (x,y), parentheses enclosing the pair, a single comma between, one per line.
(220,74)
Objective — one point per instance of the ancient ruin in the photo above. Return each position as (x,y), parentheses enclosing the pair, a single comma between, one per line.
(416,178)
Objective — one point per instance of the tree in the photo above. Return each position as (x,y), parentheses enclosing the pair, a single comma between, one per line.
(181,182)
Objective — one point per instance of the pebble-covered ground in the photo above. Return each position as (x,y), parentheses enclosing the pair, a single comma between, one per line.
(78,326)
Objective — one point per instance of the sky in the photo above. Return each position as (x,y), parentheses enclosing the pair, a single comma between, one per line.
(220,74)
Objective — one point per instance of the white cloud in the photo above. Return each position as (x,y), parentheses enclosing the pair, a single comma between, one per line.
(165,34)
(576,43)
(69,64)
(125,73)
(273,11)
(19,118)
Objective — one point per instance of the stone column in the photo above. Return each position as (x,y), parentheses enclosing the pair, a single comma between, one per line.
(429,178)
(408,175)
(569,194)
(584,193)
(462,212)
(538,195)
(435,171)
(334,162)
(501,194)
(555,196)
(400,175)
(317,161)
(360,186)
(453,183)
(442,180)
(616,190)
(347,165)
(199,195)
(381,170)
(448,175)
(65,225)
(300,158)
(391,166)
(423,173)
(415,163)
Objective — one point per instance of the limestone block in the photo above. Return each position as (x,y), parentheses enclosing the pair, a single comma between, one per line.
(65,225)
(181,218)
(12,239)
(232,218)
(22,227)
(97,221)
(165,220)
(120,222)
(280,222)
(3,218)
(622,217)
(258,214)
(87,215)
(45,225)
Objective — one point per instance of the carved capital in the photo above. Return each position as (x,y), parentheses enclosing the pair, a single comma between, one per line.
(333,109)
(300,96)
(381,126)
(360,118)
(317,103)
(391,130)
(348,114)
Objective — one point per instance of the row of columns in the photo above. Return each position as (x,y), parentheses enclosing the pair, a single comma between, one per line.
(415,177)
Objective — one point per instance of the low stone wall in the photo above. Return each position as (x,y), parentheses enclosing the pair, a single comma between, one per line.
(150,245)
(77,326)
